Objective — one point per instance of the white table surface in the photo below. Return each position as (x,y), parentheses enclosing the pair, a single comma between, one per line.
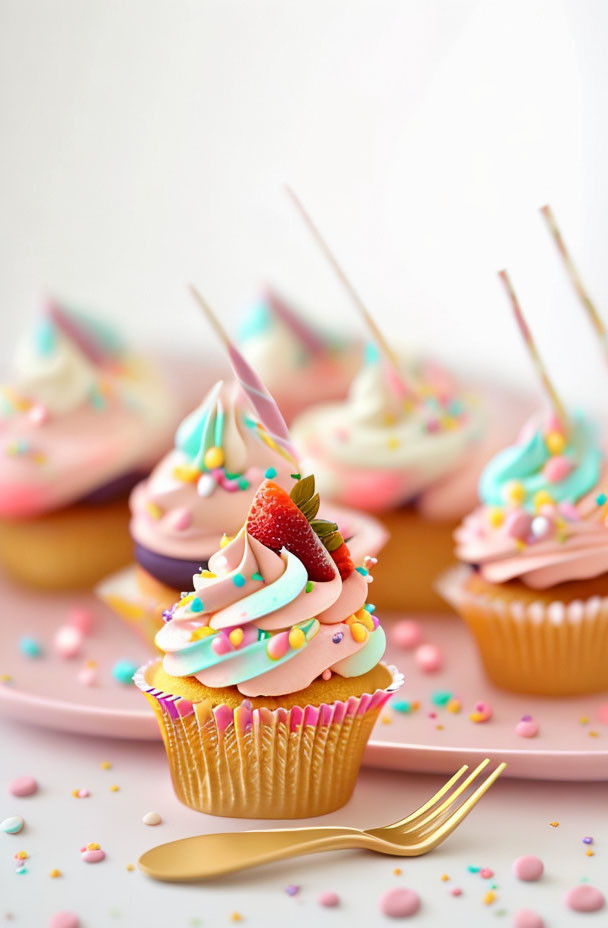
(513,819)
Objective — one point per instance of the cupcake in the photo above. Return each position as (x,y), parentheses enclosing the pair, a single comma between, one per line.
(81,421)
(534,579)
(271,679)
(413,459)
(299,363)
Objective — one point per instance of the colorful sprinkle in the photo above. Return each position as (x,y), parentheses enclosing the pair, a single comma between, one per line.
(481,713)
(92,853)
(214,458)
(441,698)
(526,918)
(152,818)
(123,671)
(359,632)
(337,638)
(154,510)
(238,580)
(67,641)
(271,473)
(429,658)
(527,727)
(456,891)
(258,576)
(23,786)
(292,889)
(401,705)
(310,585)
(328,899)
(555,442)
(64,919)
(486,874)
(297,638)
(82,619)
(12,825)
(114,788)
(54,874)
(30,647)
(587,839)
(554,824)
(196,605)
(489,897)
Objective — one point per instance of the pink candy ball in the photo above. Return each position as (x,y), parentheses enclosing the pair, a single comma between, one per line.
(557,469)
(407,634)
(23,786)
(94,856)
(88,676)
(64,920)
(429,658)
(526,918)
(517,524)
(584,898)
(399,903)
(527,727)
(528,868)
(328,899)
(81,618)
(68,641)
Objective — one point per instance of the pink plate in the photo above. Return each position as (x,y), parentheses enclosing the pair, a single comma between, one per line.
(46,691)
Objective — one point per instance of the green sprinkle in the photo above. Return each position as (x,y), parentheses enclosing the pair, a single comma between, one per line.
(242,483)
(296,476)
(601,499)
(472,869)
(238,580)
(441,697)
(309,586)
(262,635)
(401,705)
(250,423)
(270,473)
(230,476)
(257,576)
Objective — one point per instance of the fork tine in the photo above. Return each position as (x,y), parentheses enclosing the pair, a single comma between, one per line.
(451,799)
(445,828)
(430,803)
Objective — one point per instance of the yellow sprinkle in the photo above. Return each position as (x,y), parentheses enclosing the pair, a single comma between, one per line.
(489,897)
(439,727)
(520,545)
(114,788)
(186,599)
(22,855)
(75,793)
(414,705)
(386,719)
(105,765)
(236,917)
(542,498)
(93,846)
(226,539)
(296,638)
(554,824)
(392,443)
(186,473)
(365,618)
(397,871)
(496,516)
(477,717)
(589,853)
(54,874)
(236,637)
(444,877)
(208,574)
(555,442)
(130,867)
(514,492)
(204,631)
(214,457)
(154,509)
(584,720)
(454,706)
(5,678)
(359,632)
(594,734)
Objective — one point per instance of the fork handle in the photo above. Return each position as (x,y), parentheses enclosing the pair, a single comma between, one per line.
(207,856)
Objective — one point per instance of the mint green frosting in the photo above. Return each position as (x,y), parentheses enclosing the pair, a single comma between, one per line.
(202,429)
(525,462)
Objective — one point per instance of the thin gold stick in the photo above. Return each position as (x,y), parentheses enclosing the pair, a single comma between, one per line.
(557,404)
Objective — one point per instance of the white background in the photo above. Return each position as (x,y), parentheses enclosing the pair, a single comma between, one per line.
(145,143)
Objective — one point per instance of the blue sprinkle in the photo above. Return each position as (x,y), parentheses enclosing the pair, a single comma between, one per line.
(369,607)
(472,869)
(401,705)
(292,889)
(238,580)
(362,571)
(30,647)
(601,499)
(45,337)
(588,840)
(441,697)
(168,614)
(123,671)
(337,638)
(196,605)
(372,353)
(271,473)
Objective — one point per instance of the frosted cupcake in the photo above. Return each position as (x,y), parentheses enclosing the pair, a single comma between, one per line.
(300,364)
(271,678)
(534,587)
(81,421)
(407,458)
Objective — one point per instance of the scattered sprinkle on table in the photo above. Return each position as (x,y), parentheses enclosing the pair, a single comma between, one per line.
(114,788)
(236,917)
(407,634)
(81,618)
(399,902)
(123,671)
(528,868)
(67,641)
(587,839)
(486,874)
(527,727)
(130,867)
(292,889)
(152,818)
(456,891)
(105,765)
(54,874)
(64,919)
(80,793)
(429,658)
(526,918)
(30,647)
(489,897)
(328,899)
(482,712)
(12,825)
(554,824)
(397,871)
(23,786)
(92,853)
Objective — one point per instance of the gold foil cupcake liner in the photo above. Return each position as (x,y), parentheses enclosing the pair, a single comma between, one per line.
(262,763)
(541,648)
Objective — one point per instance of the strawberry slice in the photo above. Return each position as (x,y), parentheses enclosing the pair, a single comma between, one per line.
(275,521)
(343,561)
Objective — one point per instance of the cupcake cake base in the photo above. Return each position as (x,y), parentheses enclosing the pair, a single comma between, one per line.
(293,756)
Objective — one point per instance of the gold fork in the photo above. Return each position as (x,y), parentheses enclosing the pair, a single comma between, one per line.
(208,856)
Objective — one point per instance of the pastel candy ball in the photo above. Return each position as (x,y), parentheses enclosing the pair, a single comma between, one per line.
(514,492)
(64,919)
(88,676)
(206,485)
(429,658)
(93,856)
(555,442)
(584,898)
(541,527)
(517,524)
(12,825)
(557,469)
(23,786)
(527,727)
(81,618)
(29,647)
(399,902)
(152,818)
(528,868)
(407,634)
(123,671)
(214,457)
(68,641)
(526,918)
(328,899)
